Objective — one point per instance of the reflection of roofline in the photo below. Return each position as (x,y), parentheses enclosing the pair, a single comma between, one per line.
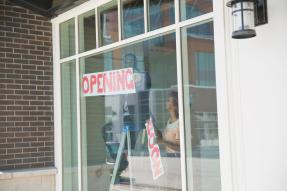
(174,87)
(200,36)
(196,86)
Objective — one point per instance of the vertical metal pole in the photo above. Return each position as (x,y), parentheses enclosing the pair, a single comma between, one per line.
(119,156)
(130,159)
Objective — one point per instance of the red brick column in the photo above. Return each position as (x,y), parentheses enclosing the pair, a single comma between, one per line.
(26,89)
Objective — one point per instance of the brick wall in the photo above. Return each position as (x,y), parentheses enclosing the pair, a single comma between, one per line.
(26,91)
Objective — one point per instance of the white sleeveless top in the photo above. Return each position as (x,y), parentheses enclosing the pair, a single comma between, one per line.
(171,134)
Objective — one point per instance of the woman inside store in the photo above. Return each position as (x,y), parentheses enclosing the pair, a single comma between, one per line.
(170,136)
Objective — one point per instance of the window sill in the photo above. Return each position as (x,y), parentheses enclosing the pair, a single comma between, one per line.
(21,173)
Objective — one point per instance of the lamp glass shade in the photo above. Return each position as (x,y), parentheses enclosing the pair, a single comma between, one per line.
(243,19)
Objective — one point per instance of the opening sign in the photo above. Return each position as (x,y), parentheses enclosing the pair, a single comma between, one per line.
(154,151)
(112,82)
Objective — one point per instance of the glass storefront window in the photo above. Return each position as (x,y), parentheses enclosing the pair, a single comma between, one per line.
(129,104)
(69,127)
(87,31)
(108,15)
(191,8)
(67,38)
(161,13)
(128,98)
(132,18)
(202,146)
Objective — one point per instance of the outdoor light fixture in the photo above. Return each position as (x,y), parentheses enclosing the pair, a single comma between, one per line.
(243,18)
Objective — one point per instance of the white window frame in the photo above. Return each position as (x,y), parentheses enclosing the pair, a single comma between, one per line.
(217,16)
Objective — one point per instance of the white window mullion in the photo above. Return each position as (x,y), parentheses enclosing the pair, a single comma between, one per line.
(76,35)
(57,106)
(177,11)
(78,107)
(120,20)
(180,97)
(97,24)
(79,134)
(181,108)
(146,17)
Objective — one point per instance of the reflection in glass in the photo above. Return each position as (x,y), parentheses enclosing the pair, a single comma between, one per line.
(201,128)
(108,23)
(69,127)
(117,129)
(133,18)
(67,38)
(87,31)
(161,13)
(193,8)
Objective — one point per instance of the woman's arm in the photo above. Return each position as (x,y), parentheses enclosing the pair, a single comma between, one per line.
(173,145)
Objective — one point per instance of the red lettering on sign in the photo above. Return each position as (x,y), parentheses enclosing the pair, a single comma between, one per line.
(121,80)
(154,151)
(109,83)
(157,166)
(151,140)
(93,82)
(129,80)
(149,127)
(116,87)
(100,85)
(85,84)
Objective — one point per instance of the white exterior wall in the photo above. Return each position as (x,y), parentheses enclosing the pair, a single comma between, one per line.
(257,81)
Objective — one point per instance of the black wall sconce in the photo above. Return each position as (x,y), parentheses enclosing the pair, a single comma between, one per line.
(261,16)
(246,14)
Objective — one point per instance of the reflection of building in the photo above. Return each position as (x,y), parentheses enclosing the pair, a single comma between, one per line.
(201,88)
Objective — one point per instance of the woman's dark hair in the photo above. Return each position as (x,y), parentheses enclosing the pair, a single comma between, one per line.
(174,96)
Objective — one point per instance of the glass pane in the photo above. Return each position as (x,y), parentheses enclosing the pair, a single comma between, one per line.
(161,13)
(193,8)
(133,18)
(200,108)
(69,127)
(67,38)
(87,31)
(109,23)
(129,96)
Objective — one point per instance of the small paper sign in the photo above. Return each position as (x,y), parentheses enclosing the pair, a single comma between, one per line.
(114,82)
(154,151)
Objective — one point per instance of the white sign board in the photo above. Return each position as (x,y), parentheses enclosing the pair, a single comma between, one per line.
(154,151)
(114,82)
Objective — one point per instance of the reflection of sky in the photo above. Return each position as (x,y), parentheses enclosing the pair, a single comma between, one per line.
(133,21)
(157,16)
